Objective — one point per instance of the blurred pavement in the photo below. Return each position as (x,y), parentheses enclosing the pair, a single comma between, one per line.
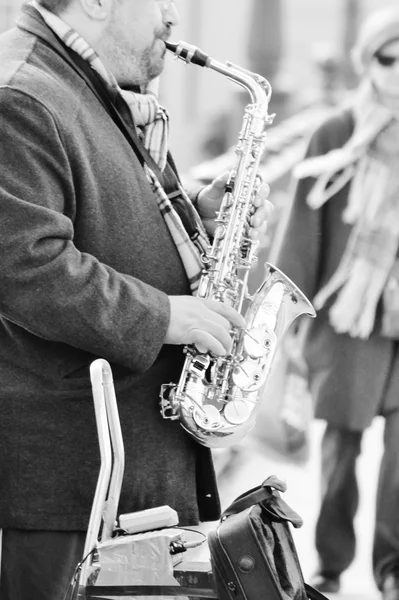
(250,463)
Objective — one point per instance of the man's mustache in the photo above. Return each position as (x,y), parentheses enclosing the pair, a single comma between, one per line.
(164,34)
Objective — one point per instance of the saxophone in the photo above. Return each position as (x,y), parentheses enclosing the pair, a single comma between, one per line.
(217,399)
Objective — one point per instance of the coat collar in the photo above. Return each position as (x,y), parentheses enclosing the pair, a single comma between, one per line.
(30,20)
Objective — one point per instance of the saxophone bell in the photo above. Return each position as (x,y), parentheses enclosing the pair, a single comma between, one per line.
(218,404)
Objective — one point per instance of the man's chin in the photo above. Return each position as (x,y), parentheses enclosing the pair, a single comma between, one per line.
(156,68)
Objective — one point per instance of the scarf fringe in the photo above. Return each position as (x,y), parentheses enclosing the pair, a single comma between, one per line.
(335,283)
(355,307)
(369,161)
(321,191)
(349,304)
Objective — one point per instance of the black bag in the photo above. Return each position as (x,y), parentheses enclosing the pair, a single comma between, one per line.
(252,551)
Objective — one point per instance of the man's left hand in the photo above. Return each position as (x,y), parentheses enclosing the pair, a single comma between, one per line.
(210,199)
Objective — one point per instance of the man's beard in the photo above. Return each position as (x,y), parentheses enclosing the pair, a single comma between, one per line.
(133,68)
(151,67)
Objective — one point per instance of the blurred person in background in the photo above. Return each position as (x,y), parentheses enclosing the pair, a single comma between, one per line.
(339,243)
(100,256)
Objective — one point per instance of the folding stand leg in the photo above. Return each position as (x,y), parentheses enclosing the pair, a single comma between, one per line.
(109,483)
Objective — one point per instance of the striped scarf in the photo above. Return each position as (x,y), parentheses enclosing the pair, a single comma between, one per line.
(370,161)
(153,123)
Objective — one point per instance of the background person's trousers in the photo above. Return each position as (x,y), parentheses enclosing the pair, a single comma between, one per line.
(335,533)
(38,565)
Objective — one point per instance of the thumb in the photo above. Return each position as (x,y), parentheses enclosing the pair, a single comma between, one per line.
(220,181)
(210,197)
(215,190)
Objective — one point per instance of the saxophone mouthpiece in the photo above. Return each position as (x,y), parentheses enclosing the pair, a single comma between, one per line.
(189,53)
(171,47)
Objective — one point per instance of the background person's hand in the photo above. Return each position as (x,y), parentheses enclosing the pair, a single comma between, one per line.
(205,323)
(210,199)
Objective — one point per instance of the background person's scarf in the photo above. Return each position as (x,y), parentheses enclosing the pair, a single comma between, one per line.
(153,123)
(370,159)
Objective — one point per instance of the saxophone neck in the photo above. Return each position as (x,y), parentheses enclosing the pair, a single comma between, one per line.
(257,86)
(255,82)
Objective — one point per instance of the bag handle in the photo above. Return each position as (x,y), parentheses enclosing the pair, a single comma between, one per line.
(267,496)
(255,496)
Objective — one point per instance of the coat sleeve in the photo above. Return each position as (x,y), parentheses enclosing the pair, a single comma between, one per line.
(48,286)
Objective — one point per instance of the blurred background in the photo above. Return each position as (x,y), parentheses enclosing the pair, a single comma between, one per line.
(303,48)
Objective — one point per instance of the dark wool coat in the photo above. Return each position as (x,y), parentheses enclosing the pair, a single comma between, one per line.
(352,380)
(86,264)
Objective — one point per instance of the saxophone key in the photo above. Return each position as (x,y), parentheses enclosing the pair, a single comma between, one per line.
(249,376)
(208,417)
(199,364)
(237,412)
(259,341)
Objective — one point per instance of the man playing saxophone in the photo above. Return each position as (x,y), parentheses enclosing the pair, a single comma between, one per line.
(86,180)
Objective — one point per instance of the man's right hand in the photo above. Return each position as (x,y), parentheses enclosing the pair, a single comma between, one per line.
(205,323)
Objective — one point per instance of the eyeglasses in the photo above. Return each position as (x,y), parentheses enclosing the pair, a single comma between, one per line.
(386,61)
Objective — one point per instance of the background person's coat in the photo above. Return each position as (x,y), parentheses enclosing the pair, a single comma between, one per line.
(351,380)
(86,264)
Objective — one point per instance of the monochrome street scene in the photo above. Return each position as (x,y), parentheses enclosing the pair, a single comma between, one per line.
(199,299)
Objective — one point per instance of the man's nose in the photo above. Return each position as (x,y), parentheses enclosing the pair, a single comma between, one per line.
(171,14)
